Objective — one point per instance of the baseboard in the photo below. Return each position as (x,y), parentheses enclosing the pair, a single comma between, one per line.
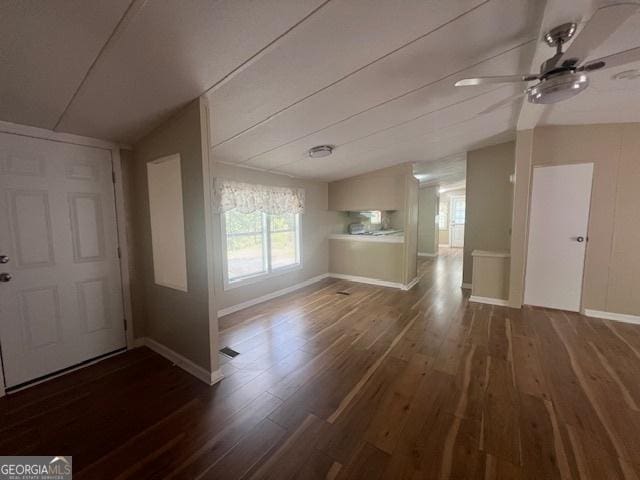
(187,365)
(491,301)
(269,296)
(411,284)
(423,254)
(618,317)
(306,283)
(370,281)
(466,286)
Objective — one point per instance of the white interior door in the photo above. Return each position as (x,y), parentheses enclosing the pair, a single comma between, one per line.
(63,304)
(456,231)
(560,201)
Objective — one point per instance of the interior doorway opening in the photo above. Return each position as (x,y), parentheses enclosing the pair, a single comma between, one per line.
(451,219)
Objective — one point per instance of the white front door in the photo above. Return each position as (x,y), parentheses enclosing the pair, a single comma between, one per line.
(456,232)
(560,200)
(63,302)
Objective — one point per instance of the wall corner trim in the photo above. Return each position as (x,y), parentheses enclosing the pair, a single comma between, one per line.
(367,280)
(617,317)
(490,301)
(411,284)
(187,365)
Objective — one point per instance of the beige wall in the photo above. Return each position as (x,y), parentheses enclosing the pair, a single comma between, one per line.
(379,260)
(489,195)
(612,263)
(411,228)
(379,190)
(179,320)
(427,211)
(316,223)
(520,216)
(490,276)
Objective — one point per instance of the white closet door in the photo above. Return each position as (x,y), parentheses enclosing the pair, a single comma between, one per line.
(63,304)
(560,201)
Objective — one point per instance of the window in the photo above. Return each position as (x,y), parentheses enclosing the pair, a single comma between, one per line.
(443,216)
(457,210)
(258,244)
(375,216)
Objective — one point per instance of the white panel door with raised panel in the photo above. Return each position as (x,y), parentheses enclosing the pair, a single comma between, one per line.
(62,304)
(560,201)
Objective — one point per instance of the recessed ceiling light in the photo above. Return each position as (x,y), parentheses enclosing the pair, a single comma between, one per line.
(321,151)
(627,75)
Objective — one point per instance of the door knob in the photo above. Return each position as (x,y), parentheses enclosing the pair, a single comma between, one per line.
(4,259)
(5,277)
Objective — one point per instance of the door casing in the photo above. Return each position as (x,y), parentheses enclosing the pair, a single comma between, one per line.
(116,161)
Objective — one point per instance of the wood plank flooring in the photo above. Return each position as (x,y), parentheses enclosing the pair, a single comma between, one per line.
(375,384)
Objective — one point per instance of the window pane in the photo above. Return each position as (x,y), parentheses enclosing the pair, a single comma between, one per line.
(237,222)
(286,221)
(283,249)
(245,244)
(458,211)
(245,255)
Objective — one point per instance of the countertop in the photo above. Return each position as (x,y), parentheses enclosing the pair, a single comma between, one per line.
(390,238)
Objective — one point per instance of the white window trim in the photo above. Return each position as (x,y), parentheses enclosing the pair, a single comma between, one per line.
(270,273)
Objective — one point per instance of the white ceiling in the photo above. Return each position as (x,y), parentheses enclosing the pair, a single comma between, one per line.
(446,173)
(373,77)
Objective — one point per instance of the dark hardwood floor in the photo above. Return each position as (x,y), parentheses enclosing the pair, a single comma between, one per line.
(375,384)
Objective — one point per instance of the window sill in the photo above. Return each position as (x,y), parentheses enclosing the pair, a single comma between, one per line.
(261,277)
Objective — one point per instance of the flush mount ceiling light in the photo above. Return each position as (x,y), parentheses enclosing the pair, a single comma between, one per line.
(321,151)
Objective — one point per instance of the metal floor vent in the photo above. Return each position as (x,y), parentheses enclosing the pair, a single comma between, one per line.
(229,352)
(343,293)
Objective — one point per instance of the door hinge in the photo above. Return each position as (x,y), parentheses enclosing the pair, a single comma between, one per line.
(113,176)
(125,324)
(119,253)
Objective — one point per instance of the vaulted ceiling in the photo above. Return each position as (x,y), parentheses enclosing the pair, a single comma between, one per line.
(372,77)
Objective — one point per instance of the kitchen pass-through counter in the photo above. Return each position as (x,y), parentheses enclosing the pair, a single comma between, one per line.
(385,238)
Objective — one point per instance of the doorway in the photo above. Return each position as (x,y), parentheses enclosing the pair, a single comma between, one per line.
(60,288)
(456,224)
(560,201)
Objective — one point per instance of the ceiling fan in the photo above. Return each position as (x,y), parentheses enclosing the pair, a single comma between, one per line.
(564,75)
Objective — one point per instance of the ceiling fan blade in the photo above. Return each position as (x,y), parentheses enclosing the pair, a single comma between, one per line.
(600,26)
(502,103)
(615,60)
(469,82)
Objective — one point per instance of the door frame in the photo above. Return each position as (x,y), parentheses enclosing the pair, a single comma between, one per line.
(528,228)
(451,199)
(121,225)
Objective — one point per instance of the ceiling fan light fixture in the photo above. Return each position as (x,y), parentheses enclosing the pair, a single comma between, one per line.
(321,151)
(558,88)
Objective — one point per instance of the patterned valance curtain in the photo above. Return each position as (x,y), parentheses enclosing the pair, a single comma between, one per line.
(248,197)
